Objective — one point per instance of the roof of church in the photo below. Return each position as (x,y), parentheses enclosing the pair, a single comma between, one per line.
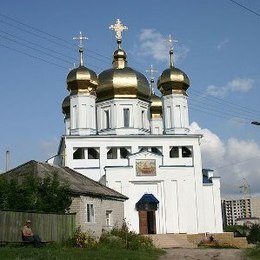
(79,184)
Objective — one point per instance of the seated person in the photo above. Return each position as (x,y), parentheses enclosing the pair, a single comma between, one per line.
(27,234)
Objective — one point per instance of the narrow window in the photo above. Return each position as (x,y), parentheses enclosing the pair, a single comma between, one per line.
(108,218)
(107,121)
(74,117)
(174,152)
(126,117)
(186,151)
(177,116)
(90,213)
(168,117)
(83,116)
(93,153)
(112,153)
(79,154)
(156,150)
(143,119)
(124,152)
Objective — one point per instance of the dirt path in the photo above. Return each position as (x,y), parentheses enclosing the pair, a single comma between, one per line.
(203,254)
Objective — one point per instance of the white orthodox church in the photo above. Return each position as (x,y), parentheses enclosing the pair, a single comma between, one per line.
(120,133)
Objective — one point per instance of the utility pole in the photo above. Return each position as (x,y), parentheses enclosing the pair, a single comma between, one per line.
(7,160)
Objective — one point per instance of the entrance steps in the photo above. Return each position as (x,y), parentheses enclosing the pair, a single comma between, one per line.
(171,241)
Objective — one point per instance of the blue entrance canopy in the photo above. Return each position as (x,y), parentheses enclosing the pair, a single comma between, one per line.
(147,202)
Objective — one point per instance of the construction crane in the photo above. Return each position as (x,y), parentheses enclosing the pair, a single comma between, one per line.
(244,188)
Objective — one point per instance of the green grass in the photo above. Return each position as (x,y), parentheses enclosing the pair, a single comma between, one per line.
(66,253)
(253,254)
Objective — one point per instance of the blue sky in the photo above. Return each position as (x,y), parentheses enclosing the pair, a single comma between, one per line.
(218,47)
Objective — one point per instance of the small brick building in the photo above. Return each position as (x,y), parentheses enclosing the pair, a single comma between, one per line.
(97,207)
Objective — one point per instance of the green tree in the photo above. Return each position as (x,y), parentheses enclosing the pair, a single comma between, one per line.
(32,193)
(254,234)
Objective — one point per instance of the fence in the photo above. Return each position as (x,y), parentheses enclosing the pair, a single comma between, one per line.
(50,227)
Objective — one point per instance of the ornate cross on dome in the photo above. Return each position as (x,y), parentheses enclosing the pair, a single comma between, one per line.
(81,38)
(118,27)
(151,71)
(171,42)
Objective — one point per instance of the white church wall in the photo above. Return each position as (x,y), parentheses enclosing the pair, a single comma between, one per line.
(173,187)
(212,207)
(217,204)
(209,210)
(156,126)
(177,183)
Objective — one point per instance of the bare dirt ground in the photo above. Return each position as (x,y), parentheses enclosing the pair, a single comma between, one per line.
(203,254)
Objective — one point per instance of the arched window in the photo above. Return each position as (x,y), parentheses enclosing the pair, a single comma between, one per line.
(79,153)
(174,152)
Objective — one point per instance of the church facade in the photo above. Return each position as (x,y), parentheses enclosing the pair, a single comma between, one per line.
(122,134)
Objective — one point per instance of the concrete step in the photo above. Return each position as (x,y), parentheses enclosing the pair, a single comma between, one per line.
(171,241)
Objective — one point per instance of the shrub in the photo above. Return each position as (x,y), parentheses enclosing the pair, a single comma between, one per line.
(83,239)
(123,238)
(254,234)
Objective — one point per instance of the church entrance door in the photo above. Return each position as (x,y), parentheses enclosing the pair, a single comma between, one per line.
(147,222)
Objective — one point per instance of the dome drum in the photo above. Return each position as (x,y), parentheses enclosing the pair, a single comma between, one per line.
(156,106)
(169,88)
(82,86)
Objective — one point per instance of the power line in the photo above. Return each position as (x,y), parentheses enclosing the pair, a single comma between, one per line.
(32,56)
(36,49)
(199,107)
(46,33)
(34,34)
(246,8)
(225,102)
(61,42)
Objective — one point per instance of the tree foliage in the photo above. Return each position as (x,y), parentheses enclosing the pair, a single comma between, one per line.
(254,234)
(34,194)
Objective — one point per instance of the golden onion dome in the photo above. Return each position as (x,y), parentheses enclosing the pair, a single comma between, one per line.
(156,106)
(82,80)
(173,80)
(122,81)
(66,106)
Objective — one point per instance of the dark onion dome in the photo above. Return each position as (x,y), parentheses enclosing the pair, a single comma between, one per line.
(122,81)
(173,80)
(82,80)
(66,106)
(156,106)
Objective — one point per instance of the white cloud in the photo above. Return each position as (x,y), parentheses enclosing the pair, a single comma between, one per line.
(236,85)
(152,43)
(222,44)
(233,160)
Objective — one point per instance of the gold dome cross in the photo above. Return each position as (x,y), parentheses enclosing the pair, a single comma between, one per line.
(118,27)
(81,45)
